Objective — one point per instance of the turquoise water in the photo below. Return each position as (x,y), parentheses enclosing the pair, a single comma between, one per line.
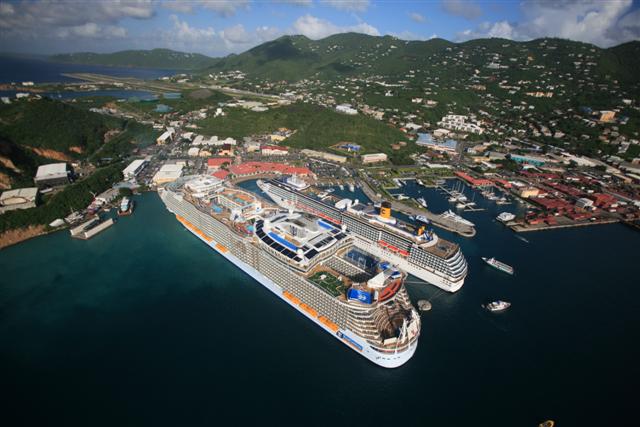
(144,325)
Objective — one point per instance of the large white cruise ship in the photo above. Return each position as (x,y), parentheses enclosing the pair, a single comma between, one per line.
(419,253)
(310,263)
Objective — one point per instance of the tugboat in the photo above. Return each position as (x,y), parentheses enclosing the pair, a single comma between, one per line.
(498,265)
(497,306)
(126,207)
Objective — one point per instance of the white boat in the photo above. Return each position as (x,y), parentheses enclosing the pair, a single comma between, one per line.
(498,265)
(352,188)
(420,183)
(341,187)
(505,217)
(457,218)
(422,202)
(497,306)
(460,206)
(422,218)
(401,196)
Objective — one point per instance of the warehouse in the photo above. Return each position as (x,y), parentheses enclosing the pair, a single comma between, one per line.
(52,175)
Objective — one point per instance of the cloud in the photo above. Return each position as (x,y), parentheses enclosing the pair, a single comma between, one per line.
(603,23)
(416,17)
(179,6)
(464,8)
(409,35)
(316,28)
(348,5)
(29,19)
(6,9)
(266,33)
(225,7)
(92,30)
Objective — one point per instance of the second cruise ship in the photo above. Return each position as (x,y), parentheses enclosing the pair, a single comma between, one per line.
(420,252)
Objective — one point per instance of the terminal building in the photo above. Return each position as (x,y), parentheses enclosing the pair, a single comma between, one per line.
(52,175)
(134,169)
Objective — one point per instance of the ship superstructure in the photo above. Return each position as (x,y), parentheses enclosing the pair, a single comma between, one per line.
(418,252)
(309,262)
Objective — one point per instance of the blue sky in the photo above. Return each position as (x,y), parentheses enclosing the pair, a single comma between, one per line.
(220,27)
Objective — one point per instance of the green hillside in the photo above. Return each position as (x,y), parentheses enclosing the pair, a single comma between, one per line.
(156,58)
(34,132)
(316,128)
(350,54)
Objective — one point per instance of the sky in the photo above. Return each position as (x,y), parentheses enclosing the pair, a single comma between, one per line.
(221,27)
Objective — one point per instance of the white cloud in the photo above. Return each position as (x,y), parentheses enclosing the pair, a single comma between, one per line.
(416,17)
(604,23)
(348,5)
(266,33)
(464,8)
(184,35)
(316,28)
(92,30)
(235,35)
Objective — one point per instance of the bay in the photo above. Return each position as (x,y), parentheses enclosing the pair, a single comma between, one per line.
(38,70)
(145,325)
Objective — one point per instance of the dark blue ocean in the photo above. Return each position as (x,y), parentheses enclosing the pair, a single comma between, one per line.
(20,69)
(145,325)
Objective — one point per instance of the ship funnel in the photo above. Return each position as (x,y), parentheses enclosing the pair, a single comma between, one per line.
(385,210)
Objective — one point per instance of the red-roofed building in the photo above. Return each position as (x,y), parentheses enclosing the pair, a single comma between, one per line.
(216,163)
(476,182)
(602,200)
(257,168)
(220,174)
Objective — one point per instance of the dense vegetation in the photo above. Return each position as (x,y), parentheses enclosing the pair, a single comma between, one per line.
(156,58)
(54,125)
(316,128)
(73,197)
(190,101)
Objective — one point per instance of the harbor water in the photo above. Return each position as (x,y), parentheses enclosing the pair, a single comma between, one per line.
(145,325)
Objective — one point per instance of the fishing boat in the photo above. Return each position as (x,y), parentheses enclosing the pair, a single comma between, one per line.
(498,265)
(497,306)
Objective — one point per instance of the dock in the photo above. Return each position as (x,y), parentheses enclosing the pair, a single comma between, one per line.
(521,228)
(467,206)
(437,220)
(90,228)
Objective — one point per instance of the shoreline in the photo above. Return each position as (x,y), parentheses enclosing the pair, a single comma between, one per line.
(19,235)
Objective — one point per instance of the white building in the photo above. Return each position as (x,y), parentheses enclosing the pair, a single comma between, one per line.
(374,158)
(460,123)
(134,169)
(52,174)
(325,156)
(165,138)
(168,173)
(346,109)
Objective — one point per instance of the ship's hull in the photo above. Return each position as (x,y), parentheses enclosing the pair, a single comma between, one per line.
(344,336)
